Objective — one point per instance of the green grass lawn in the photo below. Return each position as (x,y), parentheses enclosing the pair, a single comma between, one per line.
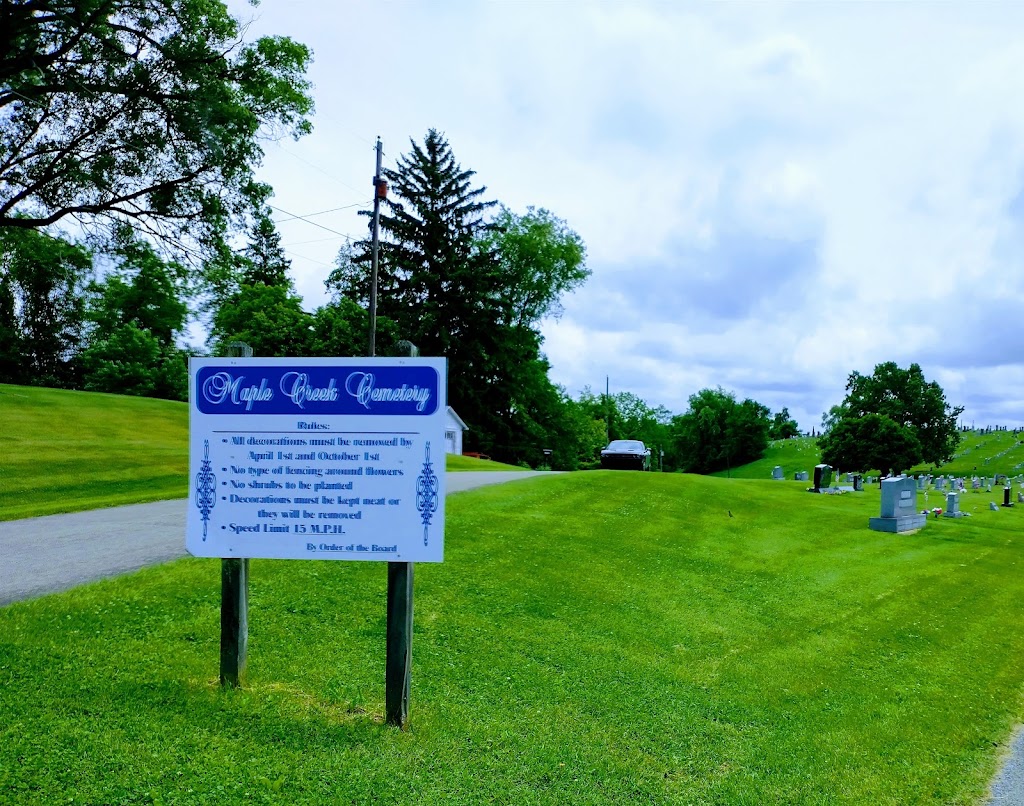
(792,455)
(72,451)
(985,454)
(463,463)
(590,638)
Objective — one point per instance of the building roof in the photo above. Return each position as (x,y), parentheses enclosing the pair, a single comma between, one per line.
(458,420)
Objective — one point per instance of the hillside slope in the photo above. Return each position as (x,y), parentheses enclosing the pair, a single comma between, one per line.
(71,451)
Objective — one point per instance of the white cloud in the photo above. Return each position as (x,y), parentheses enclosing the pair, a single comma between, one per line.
(772,195)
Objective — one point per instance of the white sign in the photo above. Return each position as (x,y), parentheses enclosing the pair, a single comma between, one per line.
(317,458)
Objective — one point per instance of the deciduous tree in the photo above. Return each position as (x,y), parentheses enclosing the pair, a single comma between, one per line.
(716,432)
(143,110)
(137,313)
(783,426)
(916,408)
(42,289)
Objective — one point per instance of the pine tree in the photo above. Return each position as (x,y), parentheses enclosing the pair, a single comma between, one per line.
(435,282)
(265,261)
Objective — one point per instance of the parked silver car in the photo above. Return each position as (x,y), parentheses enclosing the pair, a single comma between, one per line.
(626,454)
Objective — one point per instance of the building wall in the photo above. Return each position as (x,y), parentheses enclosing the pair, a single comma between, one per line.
(452,435)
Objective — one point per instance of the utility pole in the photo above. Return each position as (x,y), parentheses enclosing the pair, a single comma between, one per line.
(607,412)
(398,663)
(380,191)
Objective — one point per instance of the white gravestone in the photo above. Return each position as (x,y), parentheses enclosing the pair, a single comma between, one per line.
(953,506)
(899,507)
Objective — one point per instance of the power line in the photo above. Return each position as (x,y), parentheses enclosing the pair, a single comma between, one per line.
(303,243)
(323,212)
(310,259)
(349,238)
(321,170)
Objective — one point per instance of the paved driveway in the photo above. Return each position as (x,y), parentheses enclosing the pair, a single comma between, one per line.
(57,552)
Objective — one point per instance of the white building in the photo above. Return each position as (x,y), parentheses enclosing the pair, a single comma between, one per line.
(453,428)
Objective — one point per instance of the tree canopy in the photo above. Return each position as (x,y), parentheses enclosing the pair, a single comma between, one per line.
(892,419)
(142,110)
(461,281)
(42,302)
(783,425)
(717,432)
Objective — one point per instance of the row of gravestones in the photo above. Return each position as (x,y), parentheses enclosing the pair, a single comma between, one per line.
(899,506)
(822,478)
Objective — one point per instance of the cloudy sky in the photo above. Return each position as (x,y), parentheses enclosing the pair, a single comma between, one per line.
(772,195)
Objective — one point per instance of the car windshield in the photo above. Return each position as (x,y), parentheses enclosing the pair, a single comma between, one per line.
(625,445)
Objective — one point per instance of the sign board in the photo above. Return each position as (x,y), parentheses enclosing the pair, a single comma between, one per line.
(317,458)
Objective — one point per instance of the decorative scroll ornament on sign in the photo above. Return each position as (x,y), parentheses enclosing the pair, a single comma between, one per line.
(426,494)
(206,488)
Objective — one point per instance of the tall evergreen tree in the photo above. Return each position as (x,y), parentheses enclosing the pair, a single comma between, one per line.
(435,282)
(473,288)
(432,273)
(264,258)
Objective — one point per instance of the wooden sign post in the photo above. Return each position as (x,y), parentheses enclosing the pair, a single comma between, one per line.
(398,666)
(318,458)
(234,594)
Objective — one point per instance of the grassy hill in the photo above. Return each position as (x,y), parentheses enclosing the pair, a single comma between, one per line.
(72,451)
(978,454)
(591,638)
(792,454)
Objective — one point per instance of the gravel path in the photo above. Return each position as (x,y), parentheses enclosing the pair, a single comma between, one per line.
(1008,788)
(56,552)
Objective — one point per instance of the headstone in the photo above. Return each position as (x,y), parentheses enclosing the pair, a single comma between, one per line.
(858,483)
(849,478)
(975,483)
(822,477)
(953,505)
(1020,498)
(899,507)
(777,473)
(922,482)
(940,483)
(992,506)
(800,475)
(1006,496)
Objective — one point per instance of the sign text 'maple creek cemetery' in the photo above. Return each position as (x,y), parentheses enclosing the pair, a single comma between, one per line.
(332,458)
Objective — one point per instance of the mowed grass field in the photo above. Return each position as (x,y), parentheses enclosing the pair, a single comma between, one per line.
(601,637)
(71,451)
(593,638)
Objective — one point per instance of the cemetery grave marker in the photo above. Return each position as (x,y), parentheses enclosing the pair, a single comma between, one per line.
(953,506)
(899,507)
(822,478)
